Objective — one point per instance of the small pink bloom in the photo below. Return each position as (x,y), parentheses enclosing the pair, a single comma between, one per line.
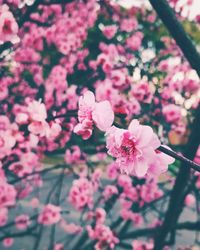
(81,193)
(50,215)
(37,111)
(100,215)
(58,246)
(3,216)
(190,200)
(172,113)
(109,31)
(8,25)
(70,228)
(8,242)
(22,221)
(91,112)
(7,194)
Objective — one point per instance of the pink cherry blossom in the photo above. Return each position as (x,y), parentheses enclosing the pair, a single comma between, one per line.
(190,200)
(142,245)
(8,25)
(92,112)
(81,193)
(109,31)
(172,113)
(50,215)
(103,235)
(22,221)
(133,148)
(8,242)
(3,216)
(7,194)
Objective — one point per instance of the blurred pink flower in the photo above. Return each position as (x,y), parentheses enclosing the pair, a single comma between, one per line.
(50,215)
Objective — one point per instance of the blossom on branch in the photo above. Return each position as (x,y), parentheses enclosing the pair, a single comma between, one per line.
(91,112)
(134,149)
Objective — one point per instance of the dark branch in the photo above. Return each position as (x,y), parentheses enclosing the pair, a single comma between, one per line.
(167,15)
(181,158)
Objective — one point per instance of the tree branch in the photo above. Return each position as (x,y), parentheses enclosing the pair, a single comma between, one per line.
(181,158)
(167,15)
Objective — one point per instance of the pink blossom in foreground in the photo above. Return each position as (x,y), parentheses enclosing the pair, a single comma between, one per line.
(8,25)
(134,148)
(101,114)
(50,215)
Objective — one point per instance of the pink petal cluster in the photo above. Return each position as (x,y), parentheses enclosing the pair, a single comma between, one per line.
(142,245)
(22,221)
(134,42)
(134,148)
(8,242)
(190,200)
(8,25)
(109,31)
(73,155)
(109,191)
(7,194)
(172,113)
(103,235)
(28,162)
(81,193)
(91,112)
(3,216)
(50,215)
(36,116)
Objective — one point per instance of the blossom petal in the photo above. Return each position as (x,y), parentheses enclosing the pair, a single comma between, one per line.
(103,115)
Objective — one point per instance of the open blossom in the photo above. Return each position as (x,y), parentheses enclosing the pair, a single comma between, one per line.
(50,215)
(8,25)
(133,148)
(90,112)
